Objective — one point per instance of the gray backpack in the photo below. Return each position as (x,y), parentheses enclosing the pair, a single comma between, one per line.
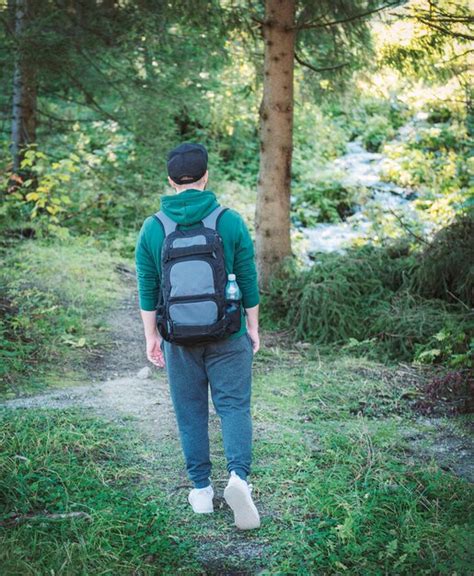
(192,307)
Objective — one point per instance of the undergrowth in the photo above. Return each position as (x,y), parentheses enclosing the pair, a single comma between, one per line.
(447,265)
(381,303)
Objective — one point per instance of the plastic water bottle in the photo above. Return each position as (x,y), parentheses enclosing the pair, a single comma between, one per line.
(232,290)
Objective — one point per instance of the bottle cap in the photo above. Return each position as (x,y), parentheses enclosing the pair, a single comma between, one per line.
(231,277)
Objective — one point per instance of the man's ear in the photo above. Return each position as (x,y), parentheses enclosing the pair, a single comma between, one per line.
(172,182)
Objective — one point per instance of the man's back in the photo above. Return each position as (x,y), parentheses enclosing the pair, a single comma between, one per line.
(188,208)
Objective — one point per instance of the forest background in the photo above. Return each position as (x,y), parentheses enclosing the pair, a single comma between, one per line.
(93,96)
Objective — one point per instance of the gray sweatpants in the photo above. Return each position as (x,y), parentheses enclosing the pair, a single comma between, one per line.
(225,367)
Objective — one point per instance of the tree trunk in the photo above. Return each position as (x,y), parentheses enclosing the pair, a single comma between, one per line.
(272,220)
(24,87)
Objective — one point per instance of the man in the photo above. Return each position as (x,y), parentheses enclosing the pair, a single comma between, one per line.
(225,365)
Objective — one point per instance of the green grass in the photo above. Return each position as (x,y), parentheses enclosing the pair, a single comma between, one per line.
(340,484)
(54,297)
(347,492)
(65,462)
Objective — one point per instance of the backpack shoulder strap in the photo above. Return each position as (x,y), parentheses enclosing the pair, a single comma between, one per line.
(210,221)
(169,225)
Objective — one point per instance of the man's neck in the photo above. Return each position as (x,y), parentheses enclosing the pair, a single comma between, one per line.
(186,189)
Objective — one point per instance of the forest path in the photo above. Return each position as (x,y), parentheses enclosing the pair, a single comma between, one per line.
(123,383)
(127,390)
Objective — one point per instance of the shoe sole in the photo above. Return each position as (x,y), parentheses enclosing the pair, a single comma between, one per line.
(246,515)
(203,511)
(209,510)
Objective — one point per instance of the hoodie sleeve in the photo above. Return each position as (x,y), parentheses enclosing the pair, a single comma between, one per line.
(244,265)
(147,275)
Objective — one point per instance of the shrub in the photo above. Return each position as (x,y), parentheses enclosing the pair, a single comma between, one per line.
(406,324)
(446,269)
(440,138)
(322,198)
(381,116)
(378,129)
(335,299)
(364,300)
(439,112)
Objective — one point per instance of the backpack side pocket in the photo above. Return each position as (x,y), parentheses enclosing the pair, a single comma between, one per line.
(161,320)
(234,316)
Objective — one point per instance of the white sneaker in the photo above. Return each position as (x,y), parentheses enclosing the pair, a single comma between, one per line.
(238,496)
(201,500)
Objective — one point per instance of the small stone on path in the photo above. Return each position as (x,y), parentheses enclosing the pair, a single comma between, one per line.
(144,373)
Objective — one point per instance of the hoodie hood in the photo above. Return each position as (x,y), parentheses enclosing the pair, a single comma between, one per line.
(190,206)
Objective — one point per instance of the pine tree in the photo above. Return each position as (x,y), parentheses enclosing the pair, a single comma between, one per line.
(336,34)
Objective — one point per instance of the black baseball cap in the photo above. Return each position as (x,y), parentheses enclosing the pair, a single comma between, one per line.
(187,163)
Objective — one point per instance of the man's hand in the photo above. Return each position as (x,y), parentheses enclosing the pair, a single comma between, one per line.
(254,336)
(153,338)
(153,351)
(252,327)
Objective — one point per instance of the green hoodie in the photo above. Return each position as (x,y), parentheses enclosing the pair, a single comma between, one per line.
(188,208)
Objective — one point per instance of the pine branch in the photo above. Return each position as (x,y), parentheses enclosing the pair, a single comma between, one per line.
(41,112)
(444,30)
(325,69)
(314,25)
(92,102)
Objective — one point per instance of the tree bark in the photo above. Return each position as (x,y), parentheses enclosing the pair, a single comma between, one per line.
(272,219)
(24,87)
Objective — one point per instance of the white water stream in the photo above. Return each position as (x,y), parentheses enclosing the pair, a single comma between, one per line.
(362,170)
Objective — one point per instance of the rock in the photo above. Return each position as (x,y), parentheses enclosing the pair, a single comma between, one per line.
(144,373)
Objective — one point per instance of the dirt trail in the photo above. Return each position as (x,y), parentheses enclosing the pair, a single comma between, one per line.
(125,388)
(123,382)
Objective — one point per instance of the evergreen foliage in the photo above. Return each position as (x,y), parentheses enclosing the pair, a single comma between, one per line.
(446,269)
(381,302)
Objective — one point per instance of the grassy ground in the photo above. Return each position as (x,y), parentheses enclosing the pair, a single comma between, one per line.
(339,492)
(344,472)
(54,299)
(68,463)
(348,492)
